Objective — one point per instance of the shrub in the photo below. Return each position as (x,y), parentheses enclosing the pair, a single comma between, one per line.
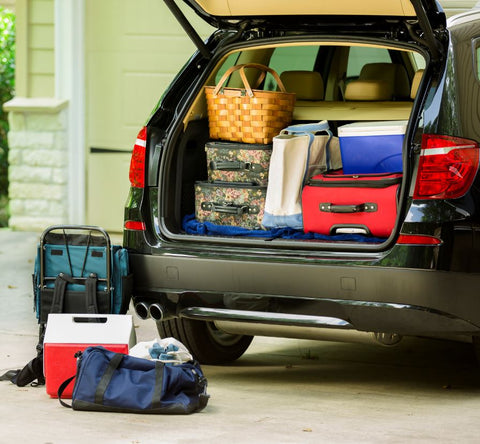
(7,89)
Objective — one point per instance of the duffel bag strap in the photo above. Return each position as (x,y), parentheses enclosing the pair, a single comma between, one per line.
(107,377)
(62,388)
(157,392)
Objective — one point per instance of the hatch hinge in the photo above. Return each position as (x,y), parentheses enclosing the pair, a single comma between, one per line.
(428,38)
(188,28)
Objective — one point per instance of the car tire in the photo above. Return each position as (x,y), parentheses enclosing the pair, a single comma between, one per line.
(476,347)
(205,342)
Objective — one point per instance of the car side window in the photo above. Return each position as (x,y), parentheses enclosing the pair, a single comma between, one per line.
(418,61)
(478,62)
(361,55)
(476,56)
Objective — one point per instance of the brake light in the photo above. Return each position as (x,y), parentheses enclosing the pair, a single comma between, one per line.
(134,225)
(137,162)
(418,239)
(447,167)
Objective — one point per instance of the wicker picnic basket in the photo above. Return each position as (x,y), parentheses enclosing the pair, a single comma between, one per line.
(245,114)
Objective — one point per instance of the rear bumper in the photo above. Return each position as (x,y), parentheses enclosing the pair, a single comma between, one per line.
(365,298)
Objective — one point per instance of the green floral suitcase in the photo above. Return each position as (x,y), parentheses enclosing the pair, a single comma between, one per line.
(238,162)
(230,203)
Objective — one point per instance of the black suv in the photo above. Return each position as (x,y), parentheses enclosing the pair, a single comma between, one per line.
(213,291)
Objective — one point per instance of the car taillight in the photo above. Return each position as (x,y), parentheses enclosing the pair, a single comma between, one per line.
(134,225)
(137,162)
(447,167)
(418,239)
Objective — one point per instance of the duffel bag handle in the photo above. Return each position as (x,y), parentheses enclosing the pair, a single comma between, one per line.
(237,210)
(107,377)
(62,388)
(355,208)
(246,84)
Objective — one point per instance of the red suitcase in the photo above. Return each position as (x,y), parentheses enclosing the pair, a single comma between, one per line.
(338,203)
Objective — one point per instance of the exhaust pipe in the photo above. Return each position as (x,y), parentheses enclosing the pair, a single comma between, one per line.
(157,312)
(143,310)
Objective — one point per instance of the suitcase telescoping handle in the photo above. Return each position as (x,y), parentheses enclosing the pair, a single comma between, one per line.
(237,210)
(355,208)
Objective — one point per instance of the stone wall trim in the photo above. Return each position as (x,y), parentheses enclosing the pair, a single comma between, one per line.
(45,105)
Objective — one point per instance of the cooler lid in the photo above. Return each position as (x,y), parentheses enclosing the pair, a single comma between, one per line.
(68,328)
(391,127)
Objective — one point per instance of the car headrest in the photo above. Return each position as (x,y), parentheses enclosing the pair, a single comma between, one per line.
(308,85)
(392,73)
(368,90)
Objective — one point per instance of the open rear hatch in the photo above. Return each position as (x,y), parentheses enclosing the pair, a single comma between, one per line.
(233,14)
(422,23)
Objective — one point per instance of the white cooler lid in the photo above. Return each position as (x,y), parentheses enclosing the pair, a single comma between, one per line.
(391,127)
(64,328)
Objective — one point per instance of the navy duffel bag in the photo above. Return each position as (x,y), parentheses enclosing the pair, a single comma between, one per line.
(114,382)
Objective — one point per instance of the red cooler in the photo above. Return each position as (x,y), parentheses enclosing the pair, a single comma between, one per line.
(66,334)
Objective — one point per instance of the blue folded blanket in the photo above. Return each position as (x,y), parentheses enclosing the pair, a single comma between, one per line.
(192,226)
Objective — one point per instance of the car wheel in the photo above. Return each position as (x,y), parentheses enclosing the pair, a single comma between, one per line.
(206,343)
(476,347)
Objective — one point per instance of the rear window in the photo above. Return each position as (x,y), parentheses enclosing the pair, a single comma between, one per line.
(337,65)
(231,60)
(476,56)
(361,55)
(290,58)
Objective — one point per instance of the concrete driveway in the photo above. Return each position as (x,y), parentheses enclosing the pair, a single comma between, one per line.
(280,391)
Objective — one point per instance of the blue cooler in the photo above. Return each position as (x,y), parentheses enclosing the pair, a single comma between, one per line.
(372,147)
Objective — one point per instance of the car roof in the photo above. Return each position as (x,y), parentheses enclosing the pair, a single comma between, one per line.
(465,17)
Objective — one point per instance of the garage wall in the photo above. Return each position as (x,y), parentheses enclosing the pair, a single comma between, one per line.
(35,64)
(38,151)
(133,51)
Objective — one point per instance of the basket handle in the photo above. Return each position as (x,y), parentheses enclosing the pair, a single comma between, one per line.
(241,68)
